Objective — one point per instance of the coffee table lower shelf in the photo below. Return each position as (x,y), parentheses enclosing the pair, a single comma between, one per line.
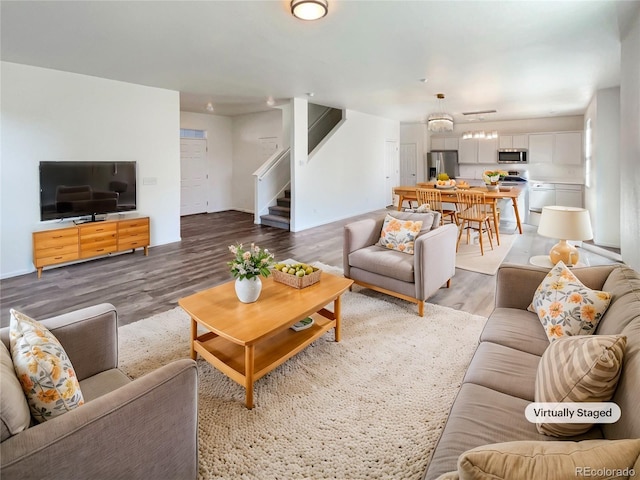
(232,359)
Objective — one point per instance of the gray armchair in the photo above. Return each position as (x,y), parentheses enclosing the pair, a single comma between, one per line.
(145,428)
(411,277)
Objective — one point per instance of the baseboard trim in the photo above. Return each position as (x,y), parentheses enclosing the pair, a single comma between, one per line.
(602,252)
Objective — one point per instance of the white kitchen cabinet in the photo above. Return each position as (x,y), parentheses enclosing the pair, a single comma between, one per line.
(513,141)
(488,150)
(468,151)
(505,141)
(568,148)
(569,195)
(562,148)
(541,147)
(451,143)
(444,143)
(521,141)
(473,150)
(437,143)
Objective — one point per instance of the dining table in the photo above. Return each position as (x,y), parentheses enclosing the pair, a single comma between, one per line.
(449,195)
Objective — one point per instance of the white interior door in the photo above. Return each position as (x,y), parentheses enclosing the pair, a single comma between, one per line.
(391,168)
(193,176)
(408,164)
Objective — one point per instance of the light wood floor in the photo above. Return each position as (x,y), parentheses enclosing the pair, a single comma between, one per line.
(141,286)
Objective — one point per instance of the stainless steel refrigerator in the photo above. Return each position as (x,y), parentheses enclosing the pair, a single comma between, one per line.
(442,161)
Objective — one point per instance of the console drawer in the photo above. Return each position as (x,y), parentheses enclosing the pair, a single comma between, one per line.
(63,257)
(57,250)
(133,243)
(98,249)
(55,238)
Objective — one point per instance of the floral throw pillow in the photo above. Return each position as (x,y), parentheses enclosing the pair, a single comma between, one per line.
(565,306)
(399,234)
(43,369)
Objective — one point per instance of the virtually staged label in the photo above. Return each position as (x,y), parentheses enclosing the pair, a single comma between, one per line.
(573,412)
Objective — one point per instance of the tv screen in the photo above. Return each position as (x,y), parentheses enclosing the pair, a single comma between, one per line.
(77,189)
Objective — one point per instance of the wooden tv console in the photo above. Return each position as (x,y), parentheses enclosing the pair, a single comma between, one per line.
(89,240)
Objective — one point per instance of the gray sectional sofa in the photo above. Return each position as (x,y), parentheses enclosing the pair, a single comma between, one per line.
(146,428)
(500,380)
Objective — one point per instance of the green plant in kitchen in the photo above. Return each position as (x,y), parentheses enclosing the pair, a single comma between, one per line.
(492,177)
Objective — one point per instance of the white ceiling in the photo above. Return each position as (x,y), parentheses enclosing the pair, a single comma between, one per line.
(525,59)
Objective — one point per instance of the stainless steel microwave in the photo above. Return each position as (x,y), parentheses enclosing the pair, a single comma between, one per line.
(512,155)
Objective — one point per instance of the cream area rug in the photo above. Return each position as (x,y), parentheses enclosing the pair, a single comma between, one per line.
(469,257)
(369,407)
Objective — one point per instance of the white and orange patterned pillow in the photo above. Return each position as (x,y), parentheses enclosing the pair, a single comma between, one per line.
(399,234)
(565,306)
(43,369)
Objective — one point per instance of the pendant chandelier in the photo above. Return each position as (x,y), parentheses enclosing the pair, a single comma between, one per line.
(440,122)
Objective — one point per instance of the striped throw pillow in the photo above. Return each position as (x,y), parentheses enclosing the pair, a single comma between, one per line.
(578,369)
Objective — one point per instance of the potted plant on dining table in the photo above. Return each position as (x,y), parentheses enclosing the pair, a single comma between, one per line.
(492,178)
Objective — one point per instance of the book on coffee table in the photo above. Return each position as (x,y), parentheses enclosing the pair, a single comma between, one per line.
(302,324)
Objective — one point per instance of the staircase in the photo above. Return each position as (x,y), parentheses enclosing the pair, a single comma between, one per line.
(274,176)
(279,215)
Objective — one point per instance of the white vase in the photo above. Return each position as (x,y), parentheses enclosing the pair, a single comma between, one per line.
(248,289)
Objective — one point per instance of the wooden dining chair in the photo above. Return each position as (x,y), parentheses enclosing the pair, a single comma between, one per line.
(473,210)
(434,199)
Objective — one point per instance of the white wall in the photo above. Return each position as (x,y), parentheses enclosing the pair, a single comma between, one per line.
(53,115)
(417,133)
(247,131)
(602,195)
(219,156)
(630,144)
(347,176)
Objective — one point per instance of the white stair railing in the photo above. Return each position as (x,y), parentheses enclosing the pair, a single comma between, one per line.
(271,179)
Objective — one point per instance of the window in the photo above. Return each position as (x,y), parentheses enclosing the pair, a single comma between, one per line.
(190,133)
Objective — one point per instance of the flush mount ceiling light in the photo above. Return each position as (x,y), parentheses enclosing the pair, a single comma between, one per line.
(209,107)
(309,9)
(440,122)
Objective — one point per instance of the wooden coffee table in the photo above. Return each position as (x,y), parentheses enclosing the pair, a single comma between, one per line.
(245,341)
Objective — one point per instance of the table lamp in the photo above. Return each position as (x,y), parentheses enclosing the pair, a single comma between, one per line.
(565,223)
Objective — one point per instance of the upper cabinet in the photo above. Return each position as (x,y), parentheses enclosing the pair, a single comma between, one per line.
(513,141)
(475,150)
(568,149)
(541,148)
(558,148)
(444,143)
(437,143)
(451,143)
(488,151)
(468,151)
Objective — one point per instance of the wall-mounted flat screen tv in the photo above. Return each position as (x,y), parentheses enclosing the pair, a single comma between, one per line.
(79,189)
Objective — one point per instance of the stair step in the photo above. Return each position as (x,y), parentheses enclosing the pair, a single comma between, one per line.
(284,202)
(281,211)
(276,221)
(287,194)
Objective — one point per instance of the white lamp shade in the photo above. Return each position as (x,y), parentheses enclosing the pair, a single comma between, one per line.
(565,223)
